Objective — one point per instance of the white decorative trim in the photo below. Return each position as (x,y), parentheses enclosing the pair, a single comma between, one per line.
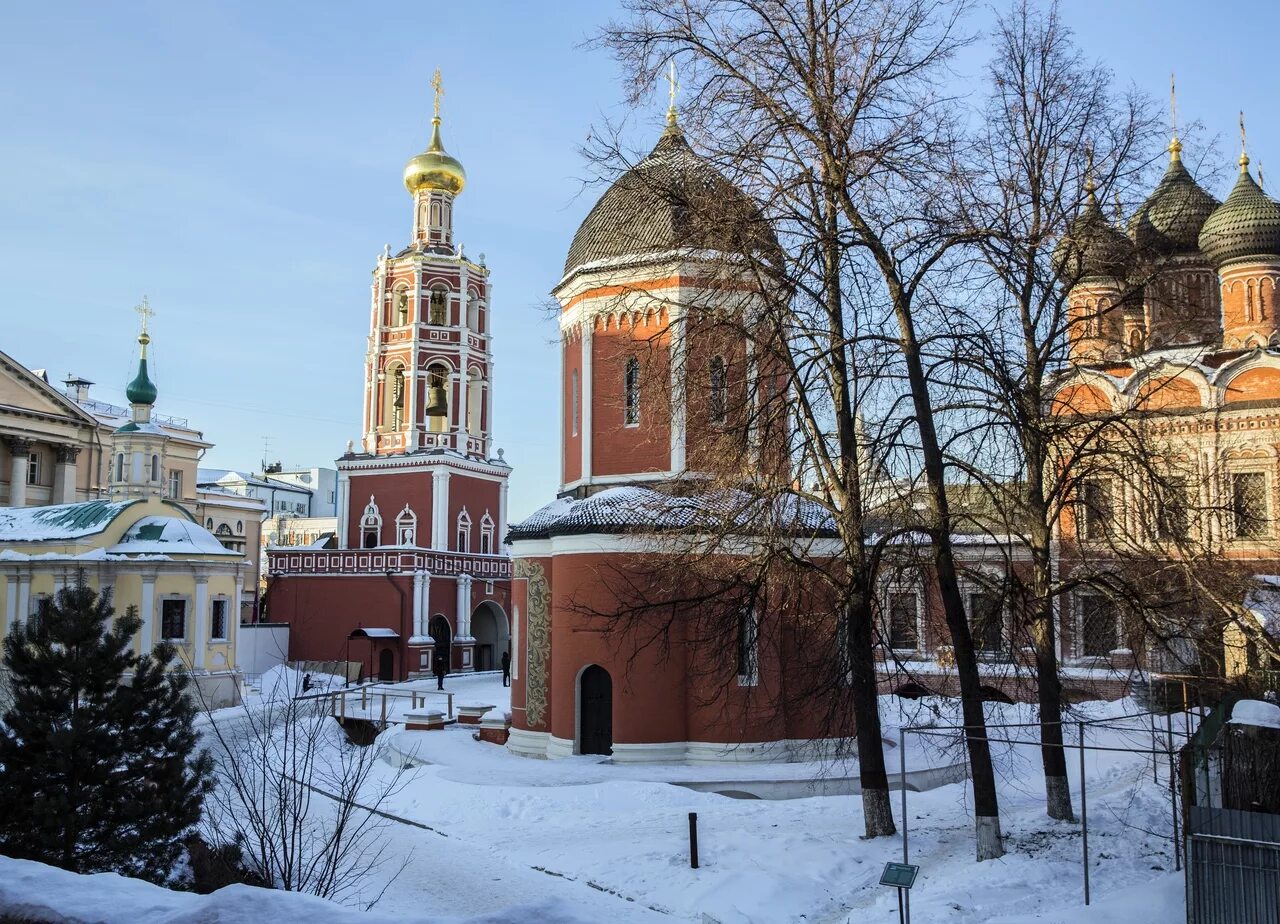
(528,743)
(699,753)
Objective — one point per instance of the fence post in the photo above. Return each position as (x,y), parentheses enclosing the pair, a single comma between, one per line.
(1084,816)
(693,840)
(384,708)
(1173,807)
(902,781)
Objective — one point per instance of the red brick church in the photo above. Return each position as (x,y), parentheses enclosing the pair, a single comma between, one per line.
(419,569)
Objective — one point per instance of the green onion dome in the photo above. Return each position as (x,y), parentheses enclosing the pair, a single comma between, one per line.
(1168,223)
(1092,247)
(1245,226)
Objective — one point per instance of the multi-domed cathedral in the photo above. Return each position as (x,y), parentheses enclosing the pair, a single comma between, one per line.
(1175,323)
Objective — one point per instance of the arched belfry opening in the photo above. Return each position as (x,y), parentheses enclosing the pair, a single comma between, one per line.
(595,711)
(492,632)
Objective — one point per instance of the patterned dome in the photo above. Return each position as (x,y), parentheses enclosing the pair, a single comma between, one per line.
(1247,224)
(671,199)
(1169,222)
(1092,247)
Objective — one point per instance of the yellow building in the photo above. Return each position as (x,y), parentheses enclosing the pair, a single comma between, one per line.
(146,548)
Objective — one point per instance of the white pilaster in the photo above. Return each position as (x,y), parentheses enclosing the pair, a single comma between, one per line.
(147,612)
(24,596)
(676,326)
(417,607)
(21,452)
(200,627)
(463,403)
(584,417)
(440,510)
(233,617)
(344,492)
(413,438)
(502,518)
(464,606)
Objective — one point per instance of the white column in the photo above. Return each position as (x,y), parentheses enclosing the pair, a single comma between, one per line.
(440,509)
(413,410)
(584,417)
(486,425)
(464,606)
(200,627)
(463,404)
(425,615)
(147,607)
(344,515)
(233,620)
(678,416)
(417,606)
(20,450)
(10,603)
(64,475)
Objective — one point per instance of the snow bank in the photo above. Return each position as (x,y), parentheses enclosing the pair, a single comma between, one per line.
(45,893)
(1256,712)
(282,682)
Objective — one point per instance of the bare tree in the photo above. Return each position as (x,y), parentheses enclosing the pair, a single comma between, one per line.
(300,799)
(845,97)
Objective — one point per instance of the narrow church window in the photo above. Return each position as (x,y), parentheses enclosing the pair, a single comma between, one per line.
(120,466)
(1099,628)
(155,468)
(33,467)
(464,531)
(631,393)
(986,621)
(175,485)
(1095,512)
(397,399)
(437,409)
(1248,301)
(218,620)
(439,310)
(748,647)
(719,391)
(902,621)
(173,619)
(402,308)
(486,534)
(1249,505)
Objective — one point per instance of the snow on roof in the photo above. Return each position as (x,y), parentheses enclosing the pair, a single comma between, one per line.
(59,521)
(638,509)
(1255,712)
(374,633)
(168,536)
(1264,601)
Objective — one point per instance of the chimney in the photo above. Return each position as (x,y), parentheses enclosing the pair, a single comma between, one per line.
(77,387)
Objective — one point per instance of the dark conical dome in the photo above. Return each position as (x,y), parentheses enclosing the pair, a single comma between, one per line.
(1247,224)
(141,390)
(1169,222)
(1092,247)
(671,199)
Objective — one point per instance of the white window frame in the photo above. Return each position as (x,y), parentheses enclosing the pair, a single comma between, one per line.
(186,617)
(1267,529)
(463,532)
(1078,599)
(175,484)
(226,619)
(886,608)
(34,466)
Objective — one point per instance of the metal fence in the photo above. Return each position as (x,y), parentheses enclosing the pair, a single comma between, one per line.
(1233,867)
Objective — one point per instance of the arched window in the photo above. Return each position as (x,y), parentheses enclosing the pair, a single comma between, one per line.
(208,524)
(439,310)
(370,525)
(120,466)
(240,527)
(719,399)
(395,399)
(155,468)
(402,308)
(473,315)
(464,531)
(574,400)
(486,534)
(437,410)
(631,393)
(407,527)
(475,402)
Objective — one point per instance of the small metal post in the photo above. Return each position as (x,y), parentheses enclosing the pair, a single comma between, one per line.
(384,708)
(693,840)
(1155,760)
(1084,816)
(1173,805)
(902,783)
(344,706)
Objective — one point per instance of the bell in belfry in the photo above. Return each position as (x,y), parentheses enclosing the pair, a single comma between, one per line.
(437,406)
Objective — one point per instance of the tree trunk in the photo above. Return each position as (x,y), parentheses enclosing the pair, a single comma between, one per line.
(876,811)
(1048,683)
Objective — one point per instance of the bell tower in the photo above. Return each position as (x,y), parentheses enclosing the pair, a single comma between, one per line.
(138,446)
(428,366)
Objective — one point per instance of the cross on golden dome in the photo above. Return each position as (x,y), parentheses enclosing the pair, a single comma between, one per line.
(438,85)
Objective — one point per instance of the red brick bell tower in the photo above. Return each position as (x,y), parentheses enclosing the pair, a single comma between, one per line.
(422,502)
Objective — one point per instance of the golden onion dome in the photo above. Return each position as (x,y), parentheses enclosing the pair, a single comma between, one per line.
(434,168)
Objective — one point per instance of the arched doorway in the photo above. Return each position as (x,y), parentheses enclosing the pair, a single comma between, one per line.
(387,665)
(595,711)
(442,636)
(492,634)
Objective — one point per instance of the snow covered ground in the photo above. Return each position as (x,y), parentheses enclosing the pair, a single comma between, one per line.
(494,834)
(622,831)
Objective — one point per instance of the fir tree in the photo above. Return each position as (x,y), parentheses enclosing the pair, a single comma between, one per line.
(97,772)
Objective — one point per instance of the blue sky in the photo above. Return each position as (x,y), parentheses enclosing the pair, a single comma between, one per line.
(240,164)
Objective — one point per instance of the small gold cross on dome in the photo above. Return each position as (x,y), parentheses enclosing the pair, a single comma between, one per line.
(438,85)
(145,311)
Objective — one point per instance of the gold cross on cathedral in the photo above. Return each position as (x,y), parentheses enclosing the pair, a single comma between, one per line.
(672,87)
(438,85)
(145,311)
